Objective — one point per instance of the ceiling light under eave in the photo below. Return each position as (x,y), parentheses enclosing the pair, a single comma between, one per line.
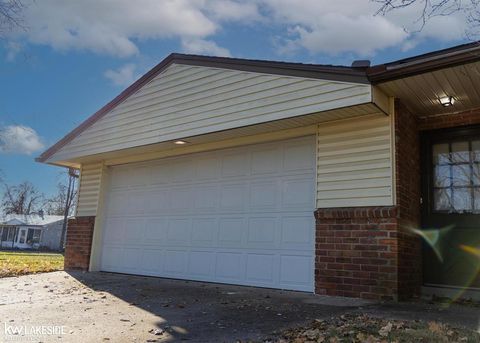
(180,142)
(447,101)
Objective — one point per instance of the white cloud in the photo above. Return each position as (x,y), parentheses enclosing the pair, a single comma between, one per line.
(13,49)
(342,26)
(123,76)
(115,27)
(203,47)
(19,139)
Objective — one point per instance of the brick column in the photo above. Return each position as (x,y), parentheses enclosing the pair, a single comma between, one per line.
(357,252)
(78,244)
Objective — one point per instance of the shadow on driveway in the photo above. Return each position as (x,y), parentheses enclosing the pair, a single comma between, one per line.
(207,312)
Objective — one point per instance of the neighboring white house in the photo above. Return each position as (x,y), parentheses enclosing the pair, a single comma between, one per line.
(30,231)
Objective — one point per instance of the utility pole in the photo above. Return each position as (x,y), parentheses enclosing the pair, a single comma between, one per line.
(72,175)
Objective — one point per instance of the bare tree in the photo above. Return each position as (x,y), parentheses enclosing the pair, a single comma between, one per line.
(63,198)
(21,199)
(10,15)
(64,202)
(428,9)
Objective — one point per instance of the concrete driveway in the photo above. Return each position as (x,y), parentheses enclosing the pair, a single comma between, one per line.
(103,307)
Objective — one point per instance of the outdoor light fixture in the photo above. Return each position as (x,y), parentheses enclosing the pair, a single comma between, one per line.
(447,101)
(179,142)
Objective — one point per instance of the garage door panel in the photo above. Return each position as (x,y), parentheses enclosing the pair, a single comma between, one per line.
(241,215)
(178,232)
(182,170)
(231,232)
(261,268)
(295,271)
(262,232)
(134,231)
(112,257)
(297,232)
(297,193)
(117,204)
(175,262)
(131,259)
(206,197)
(156,230)
(204,232)
(297,156)
(263,195)
(181,199)
(161,174)
(116,231)
(232,197)
(158,201)
(235,165)
(230,266)
(152,261)
(201,264)
(207,168)
(266,161)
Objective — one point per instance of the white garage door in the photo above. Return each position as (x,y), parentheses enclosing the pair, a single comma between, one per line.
(242,216)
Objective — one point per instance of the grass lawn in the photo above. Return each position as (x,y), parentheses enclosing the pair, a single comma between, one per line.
(13,263)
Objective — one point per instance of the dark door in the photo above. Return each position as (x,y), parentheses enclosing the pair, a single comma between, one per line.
(451,206)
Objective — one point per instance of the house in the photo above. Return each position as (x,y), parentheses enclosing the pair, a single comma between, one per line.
(305,177)
(18,231)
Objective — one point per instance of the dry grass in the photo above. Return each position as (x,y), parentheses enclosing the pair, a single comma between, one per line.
(20,263)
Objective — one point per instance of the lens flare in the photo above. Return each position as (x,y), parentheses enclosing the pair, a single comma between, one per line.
(471,250)
(434,237)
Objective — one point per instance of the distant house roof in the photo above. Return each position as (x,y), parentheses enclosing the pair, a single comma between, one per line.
(31,219)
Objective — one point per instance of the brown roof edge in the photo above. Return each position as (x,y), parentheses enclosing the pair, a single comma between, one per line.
(329,72)
(450,57)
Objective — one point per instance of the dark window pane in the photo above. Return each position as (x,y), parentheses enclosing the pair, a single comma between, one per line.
(462,199)
(4,234)
(442,199)
(460,152)
(461,175)
(476,151)
(477,200)
(476,174)
(441,154)
(442,176)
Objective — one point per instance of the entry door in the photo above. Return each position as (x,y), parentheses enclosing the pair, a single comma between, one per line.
(451,207)
(240,216)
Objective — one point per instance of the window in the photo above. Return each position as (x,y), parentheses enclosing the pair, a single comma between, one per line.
(456,177)
(33,236)
(9,234)
(22,237)
(4,233)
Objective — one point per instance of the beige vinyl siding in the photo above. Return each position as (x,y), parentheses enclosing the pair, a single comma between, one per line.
(354,162)
(186,101)
(89,189)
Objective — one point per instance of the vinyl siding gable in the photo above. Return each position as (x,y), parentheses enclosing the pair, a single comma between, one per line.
(185,101)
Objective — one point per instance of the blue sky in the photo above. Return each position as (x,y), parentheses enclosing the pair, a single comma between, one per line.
(71,58)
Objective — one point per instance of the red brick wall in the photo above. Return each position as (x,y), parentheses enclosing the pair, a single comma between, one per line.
(79,243)
(450,120)
(356,252)
(408,193)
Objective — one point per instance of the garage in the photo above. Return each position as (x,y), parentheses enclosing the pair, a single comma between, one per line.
(241,216)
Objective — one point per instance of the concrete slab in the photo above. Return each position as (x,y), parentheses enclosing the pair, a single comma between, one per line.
(105,307)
